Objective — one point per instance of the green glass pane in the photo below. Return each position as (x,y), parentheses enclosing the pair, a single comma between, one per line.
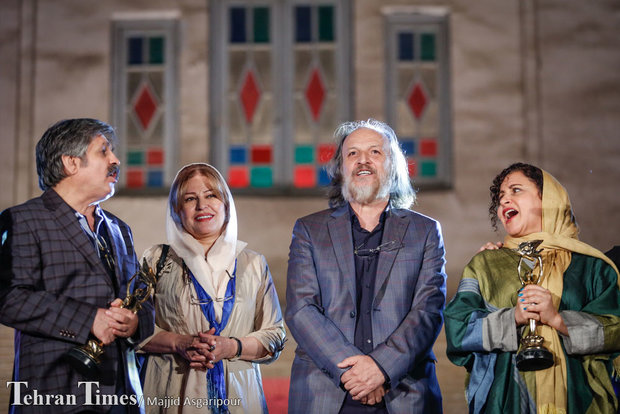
(261,177)
(427,41)
(326,23)
(428,168)
(135,157)
(156,50)
(304,155)
(261,25)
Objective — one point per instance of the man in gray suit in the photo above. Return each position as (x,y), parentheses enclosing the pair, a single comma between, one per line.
(64,263)
(366,287)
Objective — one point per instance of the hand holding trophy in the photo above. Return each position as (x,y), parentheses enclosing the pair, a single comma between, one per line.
(533,355)
(86,358)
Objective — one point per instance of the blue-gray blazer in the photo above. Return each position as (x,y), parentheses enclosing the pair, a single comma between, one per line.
(410,294)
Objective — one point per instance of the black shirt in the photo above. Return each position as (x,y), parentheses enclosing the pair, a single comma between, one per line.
(366,255)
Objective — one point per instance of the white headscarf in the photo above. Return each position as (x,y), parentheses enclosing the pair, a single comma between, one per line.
(210,271)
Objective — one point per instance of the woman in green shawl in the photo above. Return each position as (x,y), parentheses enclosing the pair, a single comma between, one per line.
(576,305)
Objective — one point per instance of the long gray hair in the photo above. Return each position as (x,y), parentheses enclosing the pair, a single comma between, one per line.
(402,194)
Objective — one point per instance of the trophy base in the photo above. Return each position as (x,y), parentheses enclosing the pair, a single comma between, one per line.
(83,363)
(534,359)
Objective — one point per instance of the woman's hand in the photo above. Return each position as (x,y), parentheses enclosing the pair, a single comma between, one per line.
(220,347)
(535,302)
(193,350)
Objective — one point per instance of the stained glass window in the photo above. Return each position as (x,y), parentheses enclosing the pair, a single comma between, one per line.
(278,66)
(315,96)
(143,109)
(418,89)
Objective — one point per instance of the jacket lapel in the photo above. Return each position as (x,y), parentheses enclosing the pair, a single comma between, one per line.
(116,239)
(70,227)
(394,232)
(339,227)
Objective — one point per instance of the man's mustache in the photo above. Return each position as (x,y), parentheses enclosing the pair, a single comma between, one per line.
(364,167)
(113,170)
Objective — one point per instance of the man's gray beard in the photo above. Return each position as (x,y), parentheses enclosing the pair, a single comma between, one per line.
(365,194)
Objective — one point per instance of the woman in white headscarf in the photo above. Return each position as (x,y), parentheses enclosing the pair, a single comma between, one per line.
(217,310)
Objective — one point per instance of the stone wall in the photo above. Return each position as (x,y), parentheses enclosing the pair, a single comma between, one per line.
(531,80)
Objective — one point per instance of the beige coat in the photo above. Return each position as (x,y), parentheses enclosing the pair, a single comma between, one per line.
(170,385)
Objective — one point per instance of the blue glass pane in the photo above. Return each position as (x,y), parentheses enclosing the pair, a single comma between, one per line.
(238,155)
(134,50)
(405,46)
(155,178)
(237,25)
(303,24)
(323,177)
(408,147)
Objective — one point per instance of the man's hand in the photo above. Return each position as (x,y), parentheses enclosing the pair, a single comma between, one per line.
(375,396)
(123,322)
(101,327)
(363,377)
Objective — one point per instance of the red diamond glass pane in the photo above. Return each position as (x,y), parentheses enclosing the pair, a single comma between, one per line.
(250,94)
(145,106)
(315,94)
(417,100)
(304,177)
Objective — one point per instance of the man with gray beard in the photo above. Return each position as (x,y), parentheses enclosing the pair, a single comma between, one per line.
(366,287)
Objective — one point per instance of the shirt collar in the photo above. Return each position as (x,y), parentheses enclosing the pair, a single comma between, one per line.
(356,223)
(98,213)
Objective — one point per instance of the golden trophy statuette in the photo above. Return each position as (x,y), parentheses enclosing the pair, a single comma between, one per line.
(86,358)
(533,355)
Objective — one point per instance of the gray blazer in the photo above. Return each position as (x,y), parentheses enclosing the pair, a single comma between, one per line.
(51,284)
(410,294)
